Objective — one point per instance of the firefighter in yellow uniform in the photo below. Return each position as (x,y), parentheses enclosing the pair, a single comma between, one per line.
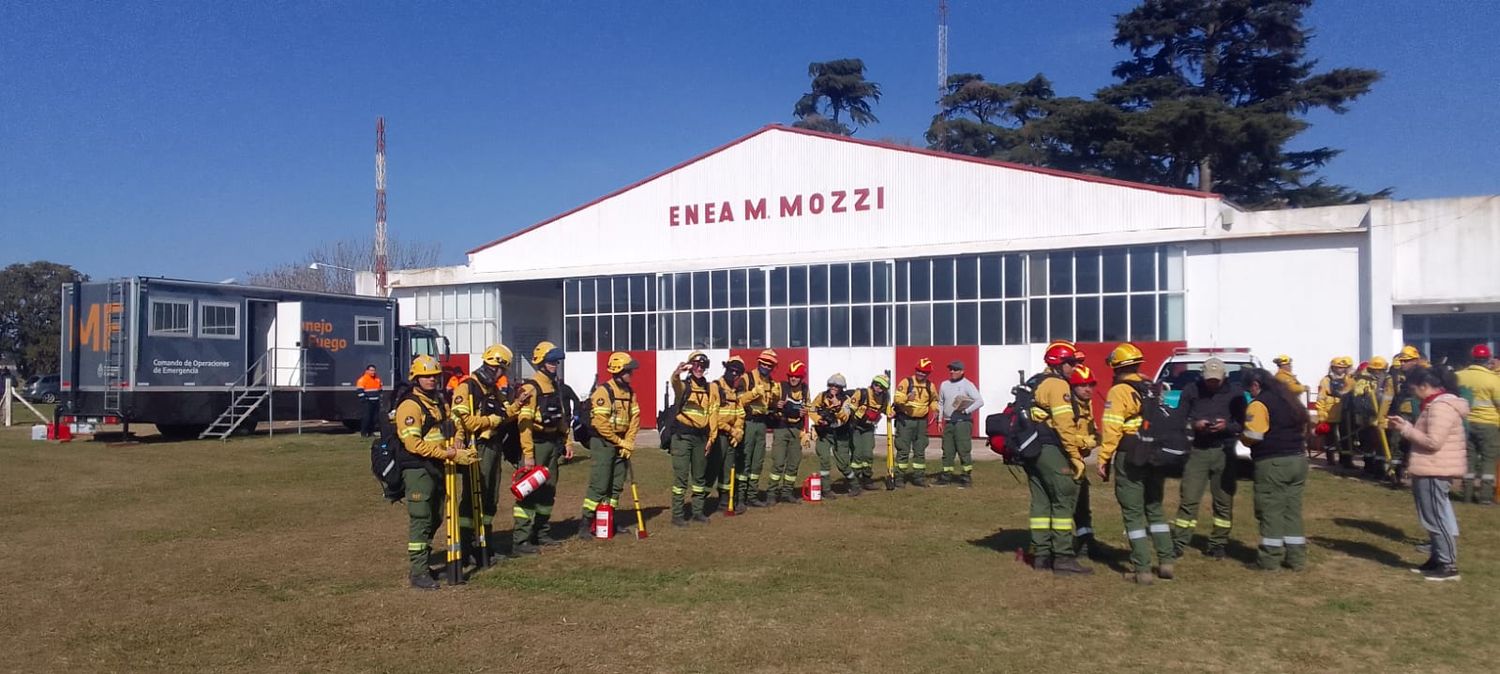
(1284,374)
(726,461)
(1370,397)
(695,429)
(614,418)
(1479,385)
(1139,483)
(1336,438)
(428,439)
(757,399)
(480,407)
(544,424)
(915,402)
(1057,471)
(1085,438)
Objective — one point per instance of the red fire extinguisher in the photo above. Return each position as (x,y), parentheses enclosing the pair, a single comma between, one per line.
(812,489)
(524,482)
(604,521)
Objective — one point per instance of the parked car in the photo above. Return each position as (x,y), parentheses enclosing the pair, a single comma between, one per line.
(1185,366)
(44,389)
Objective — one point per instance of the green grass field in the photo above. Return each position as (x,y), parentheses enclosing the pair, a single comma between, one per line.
(279,554)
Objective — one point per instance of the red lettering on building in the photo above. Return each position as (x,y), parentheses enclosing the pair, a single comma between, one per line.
(708,213)
(674,215)
(815,203)
(690,214)
(880,198)
(862,197)
(791,207)
(755,210)
(838,201)
(726,212)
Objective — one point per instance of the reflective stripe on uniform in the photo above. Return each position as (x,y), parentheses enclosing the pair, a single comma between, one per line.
(699,490)
(1295,540)
(1083,531)
(1041,523)
(416,547)
(590,504)
(1160,529)
(1273,542)
(1135,534)
(677,491)
(1185,524)
(1062,525)
(520,513)
(1223,524)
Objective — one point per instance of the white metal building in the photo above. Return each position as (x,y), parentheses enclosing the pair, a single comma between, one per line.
(859,257)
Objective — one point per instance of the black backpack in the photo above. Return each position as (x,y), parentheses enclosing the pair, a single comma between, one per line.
(1012,432)
(1164,431)
(386,452)
(666,419)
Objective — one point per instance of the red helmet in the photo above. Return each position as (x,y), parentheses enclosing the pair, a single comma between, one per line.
(924,365)
(1059,353)
(1481,352)
(1082,376)
(796,369)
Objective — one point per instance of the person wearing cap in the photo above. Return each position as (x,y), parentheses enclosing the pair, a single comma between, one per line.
(1335,437)
(1084,384)
(1284,373)
(695,431)
(1480,386)
(867,405)
(789,421)
(1215,411)
(915,403)
(1369,404)
(829,417)
(726,460)
(958,399)
(1404,404)
(757,398)
(615,416)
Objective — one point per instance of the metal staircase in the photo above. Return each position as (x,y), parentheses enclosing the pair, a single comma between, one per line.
(245,397)
(114,359)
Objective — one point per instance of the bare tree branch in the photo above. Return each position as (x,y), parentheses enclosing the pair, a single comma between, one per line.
(356,254)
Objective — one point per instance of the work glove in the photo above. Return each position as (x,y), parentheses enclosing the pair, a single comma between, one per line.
(1323,429)
(624,452)
(806,440)
(1078,467)
(736,436)
(494,420)
(466,456)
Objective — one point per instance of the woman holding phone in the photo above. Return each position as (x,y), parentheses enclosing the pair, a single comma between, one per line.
(1438,456)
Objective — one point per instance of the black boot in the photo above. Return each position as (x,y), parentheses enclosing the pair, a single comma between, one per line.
(585,526)
(919,479)
(944,478)
(1041,563)
(854,488)
(1069,566)
(866,481)
(422,581)
(527,548)
(965,481)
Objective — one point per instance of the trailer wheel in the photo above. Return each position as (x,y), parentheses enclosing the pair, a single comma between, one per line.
(181,431)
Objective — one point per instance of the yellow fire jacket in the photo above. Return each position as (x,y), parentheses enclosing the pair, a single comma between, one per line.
(1122,414)
(614,414)
(914,399)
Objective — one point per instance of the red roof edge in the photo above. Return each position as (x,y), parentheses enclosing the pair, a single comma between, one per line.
(858,141)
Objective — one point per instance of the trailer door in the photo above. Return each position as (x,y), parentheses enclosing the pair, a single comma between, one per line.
(286,354)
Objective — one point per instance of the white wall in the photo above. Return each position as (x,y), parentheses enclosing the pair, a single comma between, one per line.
(1444,251)
(1293,295)
(858,366)
(997,367)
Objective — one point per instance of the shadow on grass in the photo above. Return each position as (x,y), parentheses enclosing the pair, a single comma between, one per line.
(1360,550)
(1380,529)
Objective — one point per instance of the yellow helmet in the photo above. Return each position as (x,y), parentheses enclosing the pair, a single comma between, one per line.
(1341,361)
(1124,355)
(1282,359)
(497,355)
(1408,352)
(620,361)
(698,358)
(546,352)
(1378,363)
(425,366)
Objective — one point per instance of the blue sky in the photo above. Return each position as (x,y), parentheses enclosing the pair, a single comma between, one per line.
(202,140)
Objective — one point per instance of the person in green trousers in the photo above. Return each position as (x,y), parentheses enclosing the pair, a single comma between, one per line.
(789,412)
(1216,413)
(915,402)
(1139,483)
(1275,430)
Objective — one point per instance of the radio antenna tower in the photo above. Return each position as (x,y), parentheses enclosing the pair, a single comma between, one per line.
(942,55)
(380,204)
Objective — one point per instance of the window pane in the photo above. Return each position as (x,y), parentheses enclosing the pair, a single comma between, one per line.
(942,324)
(586,303)
(778,328)
(968,278)
(1060,273)
(1015,271)
(622,294)
(880,279)
(739,329)
(1036,267)
(757,285)
(684,330)
(638,293)
(1170,321)
(797,328)
(817,284)
(903,325)
(919,280)
(838,326)
(758,328)
(778,287)
(1113,326)
(818,327)
(654,331)
(968,323)
(1060,318)
(1086,271)
(570,297)
(720,330)
(991,323)
(1088,319)
(605,295)
(701,332)
(638,333)
(921,325)
(664,291)
(739,289)
(700,290)
(990,276)
(942,278)
(1015,322)
(1114,271)
(903,280)
(881,330)
(838,284)
(572,336)
(860,330)
(1142,269)
(859,282)
(798,286)
(1038,313)
(1171,268)
(607,334)
(719,290)
(683,286)
(622,330)
(1142,318)
(587,336)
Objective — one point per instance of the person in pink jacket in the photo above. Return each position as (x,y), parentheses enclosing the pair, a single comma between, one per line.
(1439,455)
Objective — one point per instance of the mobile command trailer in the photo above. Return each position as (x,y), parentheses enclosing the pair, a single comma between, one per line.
(207,359)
